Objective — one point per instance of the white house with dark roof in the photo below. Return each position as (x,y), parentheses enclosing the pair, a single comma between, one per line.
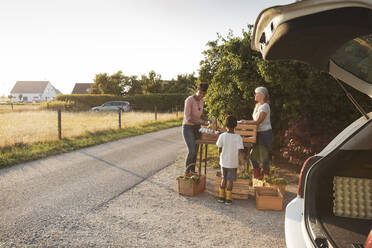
(29,91)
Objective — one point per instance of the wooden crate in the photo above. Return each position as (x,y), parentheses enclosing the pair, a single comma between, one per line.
(191,189)
(240,187)
(248,132)
(209,137)
(280,187)
(268,198)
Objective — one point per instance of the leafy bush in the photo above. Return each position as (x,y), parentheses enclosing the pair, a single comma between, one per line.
(55,105)
(163,102)
(85,101)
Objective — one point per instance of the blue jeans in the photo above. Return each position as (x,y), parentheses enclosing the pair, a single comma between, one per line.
(190,134)
(261,150)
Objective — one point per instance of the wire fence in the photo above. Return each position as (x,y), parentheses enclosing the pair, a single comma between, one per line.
(29,126)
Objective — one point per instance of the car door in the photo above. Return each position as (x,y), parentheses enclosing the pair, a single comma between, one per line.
(314,31)
(114,106)
(108,106)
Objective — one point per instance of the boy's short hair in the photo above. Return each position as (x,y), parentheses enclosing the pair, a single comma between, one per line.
(231,121)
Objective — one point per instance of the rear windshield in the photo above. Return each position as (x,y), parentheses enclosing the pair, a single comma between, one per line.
(356,57)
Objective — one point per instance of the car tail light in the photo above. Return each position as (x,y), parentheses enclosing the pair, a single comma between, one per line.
(368,243)
(300,178)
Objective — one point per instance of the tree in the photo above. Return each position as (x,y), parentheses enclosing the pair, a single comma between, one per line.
(151,83)
(230,66)
(94,89)
(105,84)
(130,85)
(184,83)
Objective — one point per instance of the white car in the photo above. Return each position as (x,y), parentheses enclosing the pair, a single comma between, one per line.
(113,106)
(333,207)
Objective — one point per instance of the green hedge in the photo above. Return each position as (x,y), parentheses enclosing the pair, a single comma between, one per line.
(55,105)
(163,102)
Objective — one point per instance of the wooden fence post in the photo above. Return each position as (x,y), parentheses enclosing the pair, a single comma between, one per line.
(156,113)
(119,118)
(177,111)
(59,124)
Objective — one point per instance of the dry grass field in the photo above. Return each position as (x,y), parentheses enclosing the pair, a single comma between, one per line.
(7,108)
(32,126)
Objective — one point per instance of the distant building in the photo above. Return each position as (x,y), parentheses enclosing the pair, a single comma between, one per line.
(81,88)
(30,91)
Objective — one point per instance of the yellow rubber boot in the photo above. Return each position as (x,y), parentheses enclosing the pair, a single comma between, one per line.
(228,197)
(221,195)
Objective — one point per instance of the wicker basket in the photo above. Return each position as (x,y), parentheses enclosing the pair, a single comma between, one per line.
(268,198)
(191,187)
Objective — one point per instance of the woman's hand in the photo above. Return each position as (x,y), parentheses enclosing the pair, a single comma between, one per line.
(247,121)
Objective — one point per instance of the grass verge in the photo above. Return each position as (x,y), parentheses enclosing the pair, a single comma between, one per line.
(20,152)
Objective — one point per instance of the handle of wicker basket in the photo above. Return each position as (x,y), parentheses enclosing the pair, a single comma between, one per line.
(195,164)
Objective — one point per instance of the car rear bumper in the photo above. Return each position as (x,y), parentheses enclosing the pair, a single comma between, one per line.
(296,235)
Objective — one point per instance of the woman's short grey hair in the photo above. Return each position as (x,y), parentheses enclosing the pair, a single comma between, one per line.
(264,92)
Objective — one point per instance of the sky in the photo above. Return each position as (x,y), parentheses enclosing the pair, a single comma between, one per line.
(70,41)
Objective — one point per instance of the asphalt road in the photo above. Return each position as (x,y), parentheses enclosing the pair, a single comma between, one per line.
(55,193)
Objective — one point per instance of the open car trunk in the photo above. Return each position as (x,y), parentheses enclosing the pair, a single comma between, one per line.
(338,189)
(338,192)
(325,225)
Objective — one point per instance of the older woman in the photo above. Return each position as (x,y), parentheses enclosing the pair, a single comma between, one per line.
(261,117)
(193,118)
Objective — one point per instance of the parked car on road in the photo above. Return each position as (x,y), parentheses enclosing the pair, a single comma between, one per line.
(333,207)
(113,106)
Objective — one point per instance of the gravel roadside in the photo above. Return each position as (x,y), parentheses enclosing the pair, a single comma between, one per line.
(153,214)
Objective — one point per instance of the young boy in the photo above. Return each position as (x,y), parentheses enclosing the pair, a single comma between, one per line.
(230,146)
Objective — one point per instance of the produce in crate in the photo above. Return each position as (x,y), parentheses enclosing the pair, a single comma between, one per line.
(275,182)
(191,183)
(210,132)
